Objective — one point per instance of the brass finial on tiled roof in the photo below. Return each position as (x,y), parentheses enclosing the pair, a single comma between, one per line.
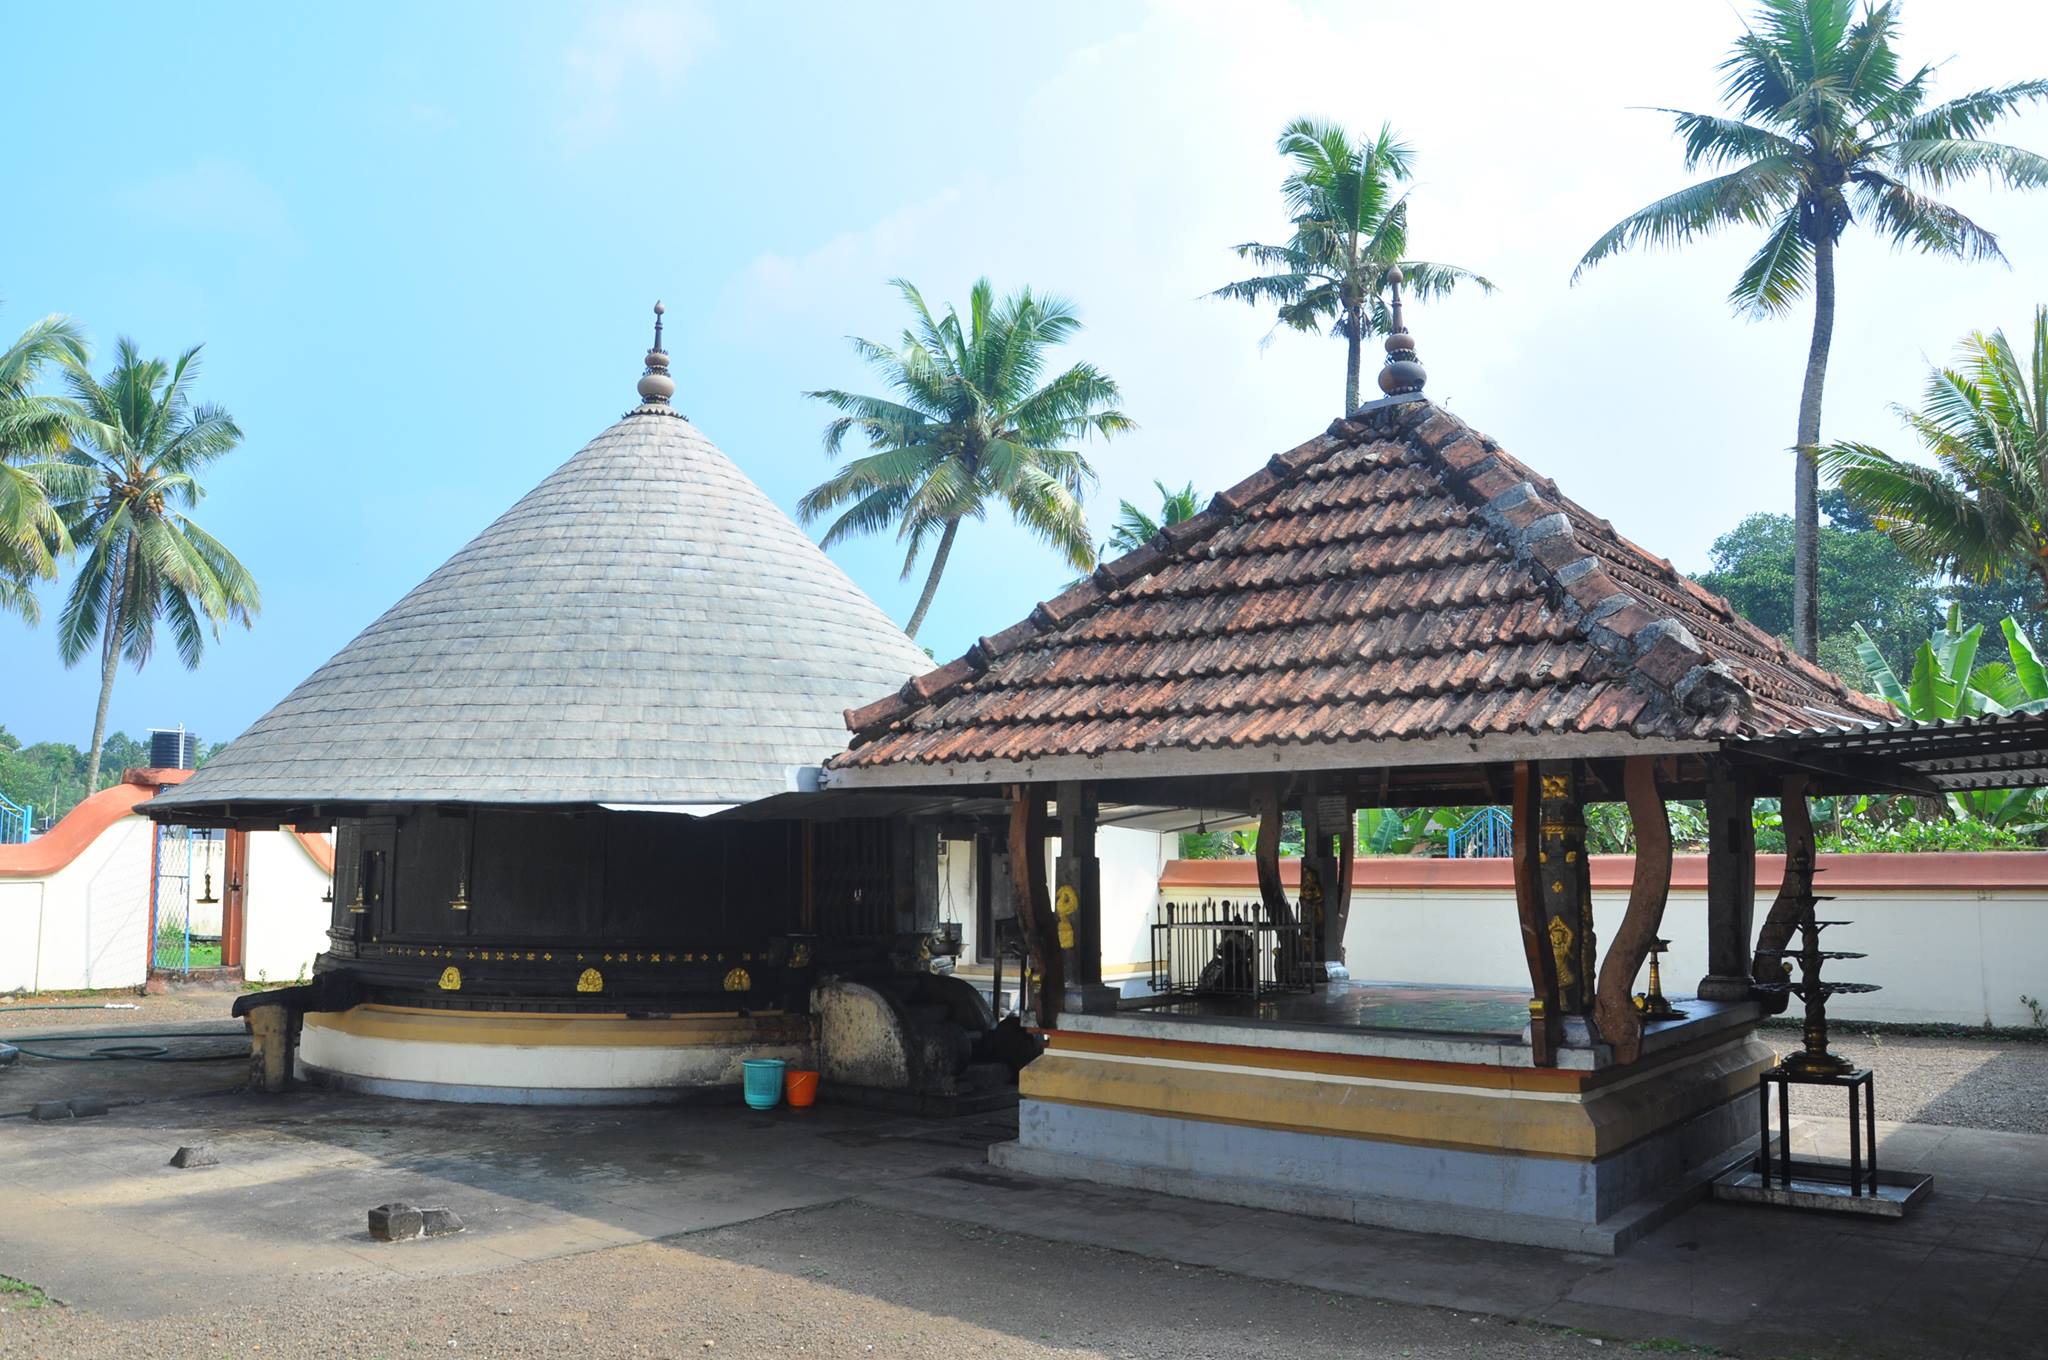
(656,386)
(1403,373)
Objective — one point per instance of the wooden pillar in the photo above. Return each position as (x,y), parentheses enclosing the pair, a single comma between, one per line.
(1325,878)
(1280,912)
(1566,883)
(1621,1025)
(1266,852)
(1034,909)
(1795,894)
(1340,901)
(1545,1013)
(1731,887)
(1077,905)
(234,898)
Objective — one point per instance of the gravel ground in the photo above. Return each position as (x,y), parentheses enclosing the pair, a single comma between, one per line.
(200,1001)
(825,1282)
(1965,1083)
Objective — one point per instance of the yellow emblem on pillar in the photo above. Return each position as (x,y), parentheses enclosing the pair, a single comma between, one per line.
(1064,904)
(590,980)
(451,979)
(1561,945)
(738,980)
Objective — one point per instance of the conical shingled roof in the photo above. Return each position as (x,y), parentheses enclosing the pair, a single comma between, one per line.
(645,626)
(1399,578)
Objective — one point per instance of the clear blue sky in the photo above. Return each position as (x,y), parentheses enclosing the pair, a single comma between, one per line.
(420,243)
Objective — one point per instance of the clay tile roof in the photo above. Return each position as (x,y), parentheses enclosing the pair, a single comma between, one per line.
(1400,576)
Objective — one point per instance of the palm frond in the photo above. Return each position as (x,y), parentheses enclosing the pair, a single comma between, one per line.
(1750,196)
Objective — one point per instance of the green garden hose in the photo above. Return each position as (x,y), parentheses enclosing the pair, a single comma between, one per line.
(124,1051)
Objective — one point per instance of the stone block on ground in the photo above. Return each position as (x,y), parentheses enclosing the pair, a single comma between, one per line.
(439,1222)
(395,1222)
(198,1154)
(87,1107)
(50,1109)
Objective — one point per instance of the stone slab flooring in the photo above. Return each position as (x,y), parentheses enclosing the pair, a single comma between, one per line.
(825,1232)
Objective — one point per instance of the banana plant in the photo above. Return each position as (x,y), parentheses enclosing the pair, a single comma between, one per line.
(1947,683)
(1939,686)
(2021,687)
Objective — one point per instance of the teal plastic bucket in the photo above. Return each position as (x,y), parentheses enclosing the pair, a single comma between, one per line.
(763,1082)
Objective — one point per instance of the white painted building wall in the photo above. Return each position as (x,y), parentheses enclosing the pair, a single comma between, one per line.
(1131,864)
(285,925)
(86,925)
(1950,955)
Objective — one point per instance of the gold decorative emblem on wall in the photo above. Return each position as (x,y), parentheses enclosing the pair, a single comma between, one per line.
(451,979)
(738,980)
(590,981)
(1064,904)
(800,954)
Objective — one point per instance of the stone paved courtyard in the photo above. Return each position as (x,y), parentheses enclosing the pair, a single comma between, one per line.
(826,1232)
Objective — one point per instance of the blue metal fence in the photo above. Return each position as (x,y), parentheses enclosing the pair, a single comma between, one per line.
(17,822)
(1487,834)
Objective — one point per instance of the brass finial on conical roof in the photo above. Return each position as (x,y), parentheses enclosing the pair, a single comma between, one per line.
(1403,374)
(656,386)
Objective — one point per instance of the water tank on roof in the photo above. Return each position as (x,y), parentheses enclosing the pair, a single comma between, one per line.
(173,749)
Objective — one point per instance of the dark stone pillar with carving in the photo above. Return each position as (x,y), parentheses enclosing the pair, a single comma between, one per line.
(1077,901)
(1731,888)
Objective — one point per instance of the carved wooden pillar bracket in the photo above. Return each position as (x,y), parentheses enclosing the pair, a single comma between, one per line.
(1034,906)
(1545,1017)
(1621,1025)
(1793,893)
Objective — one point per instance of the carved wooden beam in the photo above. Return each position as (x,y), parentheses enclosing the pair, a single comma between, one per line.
(1546,1020)
(1793,893)
(1034,906)
(1621,1025)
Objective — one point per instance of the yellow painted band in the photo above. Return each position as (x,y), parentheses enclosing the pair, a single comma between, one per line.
(1341,1064)
(531,1029)
(1551,1124)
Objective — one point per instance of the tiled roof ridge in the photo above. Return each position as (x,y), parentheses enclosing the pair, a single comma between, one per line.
(1537,522)
(1089,594)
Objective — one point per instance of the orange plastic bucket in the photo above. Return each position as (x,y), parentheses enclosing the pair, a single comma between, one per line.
(800,1087)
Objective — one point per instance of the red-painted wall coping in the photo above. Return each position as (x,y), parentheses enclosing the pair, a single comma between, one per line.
(81,826)
(317,847)
(1978,869)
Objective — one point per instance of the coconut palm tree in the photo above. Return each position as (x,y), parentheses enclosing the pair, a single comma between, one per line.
(1350,228)
(1983,504)
(970,426)
(33,429)
(1827,130)
(1134,528)
(138,446)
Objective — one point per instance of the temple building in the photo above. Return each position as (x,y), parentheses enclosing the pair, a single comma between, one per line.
(1399,613)
(573,860)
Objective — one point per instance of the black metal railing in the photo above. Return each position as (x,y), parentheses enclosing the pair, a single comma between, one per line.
(1227,949)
